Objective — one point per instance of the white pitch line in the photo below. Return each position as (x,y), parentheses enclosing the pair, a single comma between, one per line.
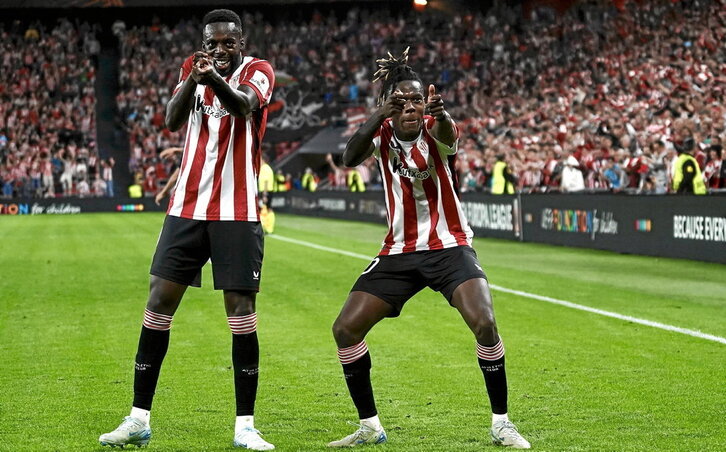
(568,304)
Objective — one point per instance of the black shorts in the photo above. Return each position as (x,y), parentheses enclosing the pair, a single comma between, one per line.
(398,277)
(235,248)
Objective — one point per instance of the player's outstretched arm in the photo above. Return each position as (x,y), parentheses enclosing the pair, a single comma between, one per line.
(443,129)
(360,146)
(168,152)
(167,187)
(238,102)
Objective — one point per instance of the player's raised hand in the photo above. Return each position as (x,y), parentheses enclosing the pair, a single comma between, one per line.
(394,104)
(435,105)
(202,68)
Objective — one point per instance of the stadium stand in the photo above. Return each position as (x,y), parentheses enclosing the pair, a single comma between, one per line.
(47,118)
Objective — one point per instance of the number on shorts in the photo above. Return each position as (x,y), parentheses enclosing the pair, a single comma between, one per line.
(372,265)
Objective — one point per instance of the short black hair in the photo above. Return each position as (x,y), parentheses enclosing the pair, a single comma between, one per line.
(393,71)
(222,15)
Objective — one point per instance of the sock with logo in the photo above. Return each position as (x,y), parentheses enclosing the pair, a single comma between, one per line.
(356,363)
(245,360)
(153,344)
(491,362)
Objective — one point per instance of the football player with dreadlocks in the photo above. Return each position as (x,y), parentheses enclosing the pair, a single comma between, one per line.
(428,244)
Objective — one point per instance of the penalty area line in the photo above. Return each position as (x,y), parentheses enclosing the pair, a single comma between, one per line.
(567,304)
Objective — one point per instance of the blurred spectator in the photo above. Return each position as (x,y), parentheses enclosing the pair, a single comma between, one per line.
(572,180)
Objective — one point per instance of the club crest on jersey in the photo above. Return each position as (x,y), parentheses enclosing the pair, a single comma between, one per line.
(395,145)
(411,173)
(209,110)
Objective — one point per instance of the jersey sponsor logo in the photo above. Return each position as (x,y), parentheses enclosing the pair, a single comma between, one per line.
(261,81)
(412,173)
(209,110)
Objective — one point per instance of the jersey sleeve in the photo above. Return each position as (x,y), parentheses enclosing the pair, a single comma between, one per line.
(261,78)
(184,71)
(443,148)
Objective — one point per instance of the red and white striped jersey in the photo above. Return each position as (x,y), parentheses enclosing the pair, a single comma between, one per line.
(221,162)
(423,208)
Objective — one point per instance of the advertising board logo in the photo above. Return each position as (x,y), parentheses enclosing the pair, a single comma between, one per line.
(277,202)
(498,217)
(591,222)
(15,209)
(37,209)
(130,208)
(333,205)
(690,227)
(372,207)
(643,225)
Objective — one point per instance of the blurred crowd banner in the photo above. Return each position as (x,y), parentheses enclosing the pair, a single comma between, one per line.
(690,227)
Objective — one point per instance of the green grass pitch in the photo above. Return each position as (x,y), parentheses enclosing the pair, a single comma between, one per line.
(73,289)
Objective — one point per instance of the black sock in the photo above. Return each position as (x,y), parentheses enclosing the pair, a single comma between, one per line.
(495,378)
(153,345)
(245,359)
(358,378)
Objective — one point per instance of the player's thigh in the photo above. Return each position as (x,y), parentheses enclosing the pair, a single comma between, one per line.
(473,300)
(237,249)
(181,251)
(361,312)
(393,279)
(445,270)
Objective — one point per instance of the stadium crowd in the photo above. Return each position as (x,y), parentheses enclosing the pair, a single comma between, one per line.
(597,99)
(47,116)
(607,89)
(610,94)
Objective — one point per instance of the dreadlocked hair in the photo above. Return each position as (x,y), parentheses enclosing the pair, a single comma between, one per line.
(222,15)
(392,71)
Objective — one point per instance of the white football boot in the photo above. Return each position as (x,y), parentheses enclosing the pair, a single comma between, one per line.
(131,431)
(364,435)
(250,438)
(504,433)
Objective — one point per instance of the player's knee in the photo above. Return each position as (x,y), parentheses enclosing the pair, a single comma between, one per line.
(343,333)
(485,330)
(239,303)
(162,301)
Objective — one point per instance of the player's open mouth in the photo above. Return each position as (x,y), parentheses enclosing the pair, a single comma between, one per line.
(410,122)
(222,64)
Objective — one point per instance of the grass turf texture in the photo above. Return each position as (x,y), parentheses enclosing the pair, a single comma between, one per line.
(73,288)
